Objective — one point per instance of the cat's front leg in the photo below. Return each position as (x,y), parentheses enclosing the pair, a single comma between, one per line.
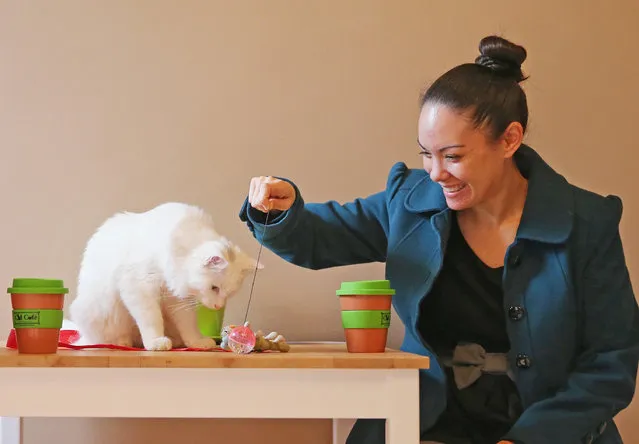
(184,319)
(142,301)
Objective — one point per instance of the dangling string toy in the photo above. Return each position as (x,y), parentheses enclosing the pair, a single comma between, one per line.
(241,339)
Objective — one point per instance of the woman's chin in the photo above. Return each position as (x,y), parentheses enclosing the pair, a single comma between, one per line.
(461,200)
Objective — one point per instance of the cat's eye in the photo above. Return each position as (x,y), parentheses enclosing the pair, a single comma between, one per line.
(214,288)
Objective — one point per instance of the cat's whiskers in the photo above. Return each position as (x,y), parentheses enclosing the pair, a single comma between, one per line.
(183,304)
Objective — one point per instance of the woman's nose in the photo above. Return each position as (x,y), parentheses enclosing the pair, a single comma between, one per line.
(437,173)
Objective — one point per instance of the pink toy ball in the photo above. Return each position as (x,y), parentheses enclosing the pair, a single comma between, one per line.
(241,340)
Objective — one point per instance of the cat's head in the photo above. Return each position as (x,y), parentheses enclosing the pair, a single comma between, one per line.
(217,270)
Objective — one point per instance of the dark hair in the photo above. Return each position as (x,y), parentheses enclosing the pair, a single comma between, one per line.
(488,88)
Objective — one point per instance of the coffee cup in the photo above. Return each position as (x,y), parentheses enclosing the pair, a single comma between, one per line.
(210,322)
(366,314)
(37,313)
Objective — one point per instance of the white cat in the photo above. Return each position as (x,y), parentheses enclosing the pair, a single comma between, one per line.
(142,275)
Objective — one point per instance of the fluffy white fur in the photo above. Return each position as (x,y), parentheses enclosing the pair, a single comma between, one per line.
(142,275)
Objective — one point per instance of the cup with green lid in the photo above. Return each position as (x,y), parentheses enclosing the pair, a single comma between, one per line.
(366,314)
(37,313)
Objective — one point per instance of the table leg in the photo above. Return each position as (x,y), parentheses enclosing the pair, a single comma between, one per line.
(402,423)
(10,430)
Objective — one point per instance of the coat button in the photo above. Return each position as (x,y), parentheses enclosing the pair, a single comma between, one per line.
(523,361)
(516,313)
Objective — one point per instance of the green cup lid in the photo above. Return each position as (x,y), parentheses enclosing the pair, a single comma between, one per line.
(37,286)
(381,287)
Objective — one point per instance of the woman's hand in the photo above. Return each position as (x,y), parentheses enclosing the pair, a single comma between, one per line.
(268,193)
(505,442)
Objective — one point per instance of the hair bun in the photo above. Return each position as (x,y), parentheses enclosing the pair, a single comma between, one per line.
(502,56)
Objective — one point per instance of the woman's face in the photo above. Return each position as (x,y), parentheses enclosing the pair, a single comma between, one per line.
(466,163)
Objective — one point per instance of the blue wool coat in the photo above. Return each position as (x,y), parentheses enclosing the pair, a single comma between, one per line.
(576,349)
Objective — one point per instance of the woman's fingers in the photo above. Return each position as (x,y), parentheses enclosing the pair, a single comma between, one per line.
(268,193)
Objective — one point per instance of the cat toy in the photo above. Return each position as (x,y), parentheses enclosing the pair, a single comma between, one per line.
(241,339)
(271,342)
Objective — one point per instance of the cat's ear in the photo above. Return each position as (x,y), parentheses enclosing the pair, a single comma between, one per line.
(216,262)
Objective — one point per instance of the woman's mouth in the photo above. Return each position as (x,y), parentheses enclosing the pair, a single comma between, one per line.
(452,190)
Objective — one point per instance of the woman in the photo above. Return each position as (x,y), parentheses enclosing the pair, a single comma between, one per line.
(490,251)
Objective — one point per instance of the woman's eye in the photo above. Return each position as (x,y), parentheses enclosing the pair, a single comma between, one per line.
(425,153)
(452,157)
(214,288)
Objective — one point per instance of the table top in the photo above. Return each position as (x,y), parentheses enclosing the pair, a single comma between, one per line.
(307,355)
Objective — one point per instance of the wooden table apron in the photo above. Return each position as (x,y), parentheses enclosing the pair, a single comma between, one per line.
(310,381)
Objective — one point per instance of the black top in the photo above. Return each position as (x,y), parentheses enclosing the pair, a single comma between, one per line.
(466,301)
(466,305)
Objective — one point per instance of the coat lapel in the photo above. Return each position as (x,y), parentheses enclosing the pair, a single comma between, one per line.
(415,258)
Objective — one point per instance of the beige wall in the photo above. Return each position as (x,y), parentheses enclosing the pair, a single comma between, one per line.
(106,106)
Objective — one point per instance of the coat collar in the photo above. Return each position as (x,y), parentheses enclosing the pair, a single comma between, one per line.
(548,211)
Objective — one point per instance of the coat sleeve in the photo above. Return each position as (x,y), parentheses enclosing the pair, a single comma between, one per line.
(603,380)
(329,234)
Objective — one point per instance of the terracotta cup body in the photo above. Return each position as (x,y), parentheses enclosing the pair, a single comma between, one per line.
(366,314)
(37,313)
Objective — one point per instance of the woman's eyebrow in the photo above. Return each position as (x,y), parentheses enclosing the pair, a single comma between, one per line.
(456,145)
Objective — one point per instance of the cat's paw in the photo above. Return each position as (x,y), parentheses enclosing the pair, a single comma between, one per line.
(202,343)
(159,344)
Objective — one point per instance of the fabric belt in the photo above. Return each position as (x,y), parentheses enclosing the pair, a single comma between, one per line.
(470,360)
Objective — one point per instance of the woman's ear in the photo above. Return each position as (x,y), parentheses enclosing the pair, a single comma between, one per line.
(512,138)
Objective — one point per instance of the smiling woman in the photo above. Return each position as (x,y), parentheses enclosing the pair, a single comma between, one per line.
(512,279)
(477,174)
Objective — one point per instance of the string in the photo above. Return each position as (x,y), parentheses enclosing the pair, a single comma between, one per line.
(256,265)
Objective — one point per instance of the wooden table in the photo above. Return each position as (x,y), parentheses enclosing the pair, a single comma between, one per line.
(312,380)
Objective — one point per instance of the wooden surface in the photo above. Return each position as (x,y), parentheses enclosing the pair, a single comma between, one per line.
(319,355)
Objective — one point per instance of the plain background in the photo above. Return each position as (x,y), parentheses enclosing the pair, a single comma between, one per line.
(122,105)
